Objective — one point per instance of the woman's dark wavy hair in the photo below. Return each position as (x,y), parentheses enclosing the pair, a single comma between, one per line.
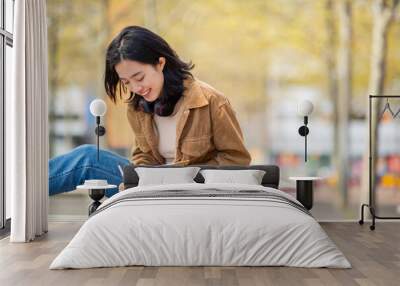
(140,44)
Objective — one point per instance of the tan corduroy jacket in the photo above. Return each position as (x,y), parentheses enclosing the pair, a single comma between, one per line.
(207,131)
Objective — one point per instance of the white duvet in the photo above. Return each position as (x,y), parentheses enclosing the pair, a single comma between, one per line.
(183,231)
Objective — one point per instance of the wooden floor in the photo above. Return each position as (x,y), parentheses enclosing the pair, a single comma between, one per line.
(375,257)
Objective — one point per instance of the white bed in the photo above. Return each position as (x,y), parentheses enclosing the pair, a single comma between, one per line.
(136,227)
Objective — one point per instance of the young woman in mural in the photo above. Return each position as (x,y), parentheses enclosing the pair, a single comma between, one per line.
(176,118)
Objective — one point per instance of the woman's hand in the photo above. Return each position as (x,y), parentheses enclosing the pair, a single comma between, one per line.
(121,187)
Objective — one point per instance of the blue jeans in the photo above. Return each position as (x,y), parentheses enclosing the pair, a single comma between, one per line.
(72,169)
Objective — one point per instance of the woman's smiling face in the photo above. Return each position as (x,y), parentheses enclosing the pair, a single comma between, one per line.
(142,79)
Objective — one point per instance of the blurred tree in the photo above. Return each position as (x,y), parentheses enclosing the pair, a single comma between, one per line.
(384,11)
(150,15)
(57,12)
(332,78)
(344,96)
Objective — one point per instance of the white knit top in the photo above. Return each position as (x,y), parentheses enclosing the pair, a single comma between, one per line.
(165,127)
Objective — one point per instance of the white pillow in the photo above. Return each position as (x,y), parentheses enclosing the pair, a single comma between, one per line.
(248,177)
(164,176)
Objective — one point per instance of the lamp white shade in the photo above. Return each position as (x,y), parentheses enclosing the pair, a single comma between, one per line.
(98,107)
(305,108)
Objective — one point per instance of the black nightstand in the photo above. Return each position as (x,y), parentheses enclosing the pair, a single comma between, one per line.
(96,193)
(304,190)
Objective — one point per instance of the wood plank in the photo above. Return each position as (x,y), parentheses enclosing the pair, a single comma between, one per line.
(375,257)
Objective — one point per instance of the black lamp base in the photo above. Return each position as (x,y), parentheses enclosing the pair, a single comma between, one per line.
(100,130)
(303,130)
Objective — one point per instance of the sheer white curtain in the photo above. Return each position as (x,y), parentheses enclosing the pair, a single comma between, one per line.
(27,124)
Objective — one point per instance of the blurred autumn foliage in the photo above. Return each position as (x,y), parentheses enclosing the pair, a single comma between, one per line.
(254,51)
(236,45)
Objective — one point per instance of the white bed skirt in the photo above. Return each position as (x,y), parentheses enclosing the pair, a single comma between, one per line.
(200,232)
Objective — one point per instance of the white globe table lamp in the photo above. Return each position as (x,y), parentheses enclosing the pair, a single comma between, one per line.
(98,108)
